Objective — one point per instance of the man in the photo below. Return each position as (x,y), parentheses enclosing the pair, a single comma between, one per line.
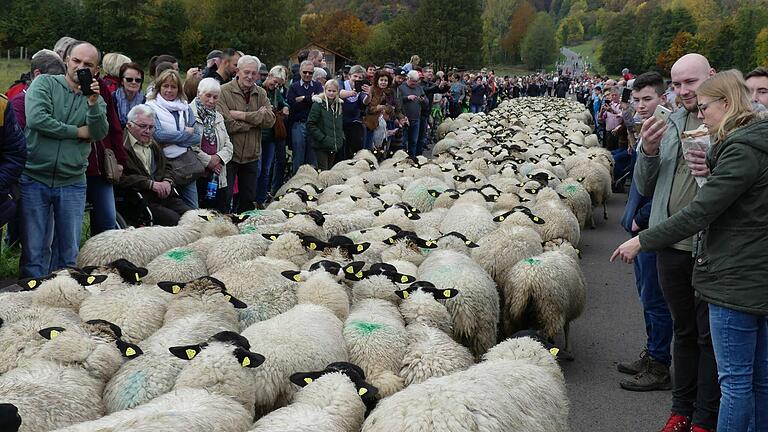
(246,110)
(61,124)
(43,62)
(295,74)
(226,67)
(145,171)
(13,155)
(410,98)
(400,76)
(662,171)
(651,371)
(757,81)
(211,63)
(352,111)
(317,58)
(299,100)
(612,115)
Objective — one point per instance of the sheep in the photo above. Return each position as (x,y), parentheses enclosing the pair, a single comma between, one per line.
(596,180)
(331,400)
(519,386)
(560,222)
(234,249)
(578,200)
(508,244)
(473,220)
(475,313)
(62,289)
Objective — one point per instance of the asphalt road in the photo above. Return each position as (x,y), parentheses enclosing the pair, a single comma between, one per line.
(610,330)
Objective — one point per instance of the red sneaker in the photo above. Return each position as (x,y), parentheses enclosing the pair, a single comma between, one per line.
(697,428)
(677,423)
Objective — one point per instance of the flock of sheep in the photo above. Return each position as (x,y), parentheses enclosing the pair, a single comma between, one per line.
(376,296)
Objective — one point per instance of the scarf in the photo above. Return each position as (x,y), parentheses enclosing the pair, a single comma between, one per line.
(164,113)
(208,118)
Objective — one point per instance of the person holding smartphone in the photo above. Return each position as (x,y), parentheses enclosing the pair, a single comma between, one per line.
(64,115)
(611,113)
(355,95)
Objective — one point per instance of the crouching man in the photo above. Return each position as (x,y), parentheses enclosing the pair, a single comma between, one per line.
(145,170)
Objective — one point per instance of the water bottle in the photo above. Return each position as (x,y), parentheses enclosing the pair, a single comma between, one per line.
(213,187)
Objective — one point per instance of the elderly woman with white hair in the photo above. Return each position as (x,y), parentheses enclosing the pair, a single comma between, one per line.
(215,149)
(320,75)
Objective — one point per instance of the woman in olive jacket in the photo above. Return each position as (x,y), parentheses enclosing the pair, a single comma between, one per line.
(730,272)
(325,125)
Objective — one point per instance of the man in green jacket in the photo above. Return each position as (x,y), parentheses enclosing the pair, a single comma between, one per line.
(664,172)
(61,124)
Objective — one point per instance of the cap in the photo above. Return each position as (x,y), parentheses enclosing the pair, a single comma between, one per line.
(400,71)
(263,68)
(215,54)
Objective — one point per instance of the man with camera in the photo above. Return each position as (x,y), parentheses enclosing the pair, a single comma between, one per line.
(64,113)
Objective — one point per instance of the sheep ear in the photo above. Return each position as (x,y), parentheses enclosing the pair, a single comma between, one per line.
(404,293)
(128,350)
(238,218)
(187,352)
(171,287)
(289,214)
(503,216)
(471,244)
(51,333)
(313,243)
(248,359)
(88,280)
(374,194)
(433,193)
(354,271)
(445,294)
(426,244)
(353,198)
(271,237)
(238,304)
(531,191)
(33,283)
(301,379)
(580,179)
(537,220)
(412,216)
(366,391)
(292,275)
(207,218)
(403,278)
(390,240)
(359,248)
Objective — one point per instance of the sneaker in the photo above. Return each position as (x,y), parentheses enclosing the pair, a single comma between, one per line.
(697,428)
(635,367)
(677,423)
(655,377)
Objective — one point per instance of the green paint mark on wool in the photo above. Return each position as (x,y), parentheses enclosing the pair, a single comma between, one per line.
(248,230)
(571,188)
(254,212)
(365,328)
(179,254)
(532,261)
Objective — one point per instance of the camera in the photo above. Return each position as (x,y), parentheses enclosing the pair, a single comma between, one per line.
(359,85)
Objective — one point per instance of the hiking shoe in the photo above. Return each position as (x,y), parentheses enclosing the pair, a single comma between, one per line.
(637,366)
(677,423)
(697,428)
(654,377)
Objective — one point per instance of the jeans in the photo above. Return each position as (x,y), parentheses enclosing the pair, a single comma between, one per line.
(302,150)
(39,202)
(411,138)
(475,108)
(267,158)
(188,194)
(278,168)
(247,176)
(741,347)
(694,382)
(368,141)
(623,163)
(658,321)
(102,197)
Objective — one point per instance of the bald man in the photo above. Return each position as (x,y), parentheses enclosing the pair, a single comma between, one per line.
(61,124)
(664,172)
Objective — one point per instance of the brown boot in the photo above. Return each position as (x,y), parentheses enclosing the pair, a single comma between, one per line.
(635,367)
(654,377)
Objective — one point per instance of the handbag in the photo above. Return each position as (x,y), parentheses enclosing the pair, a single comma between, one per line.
(186,168)
(110,166)
(279,131)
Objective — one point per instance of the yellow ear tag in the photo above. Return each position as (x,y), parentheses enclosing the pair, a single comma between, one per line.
(209,218)
(360,248)
(54,334)
(359,274)
(227,297)
(138,278)
(467,242)
(32,283)
(362,391)
(535,218)
(406,294)
(246,362)
(308,380)
(273,238)
(403,279)
(191,353)
(90,279)
(447,293)
(554,351)
(350,270)
(313,246)
(297,278)
(130,352)
(311,198)
(501,218)
(175,289)
(428,243)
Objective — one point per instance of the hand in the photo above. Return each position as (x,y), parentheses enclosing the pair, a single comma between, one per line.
(237,115)
(652,131)
(119,170)
(615,131)
(193,71)
(366,88)
(215,160)
(285,111)
(635,228)
(189,130)
(83,133)
(627,251)
(94,98)
(697,162)
(262,109)
(299,98)
(162,189)
(412,97)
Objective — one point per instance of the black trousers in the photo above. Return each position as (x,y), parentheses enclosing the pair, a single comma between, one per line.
(353,136)
(165,212)
(247,179)
(695,390)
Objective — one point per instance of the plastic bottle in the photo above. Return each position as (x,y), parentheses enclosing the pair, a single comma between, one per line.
(213,187)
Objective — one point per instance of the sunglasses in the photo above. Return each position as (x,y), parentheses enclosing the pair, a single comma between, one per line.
(130,80)
(307,72)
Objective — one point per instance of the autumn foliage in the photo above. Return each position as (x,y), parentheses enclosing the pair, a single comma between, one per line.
(339,31)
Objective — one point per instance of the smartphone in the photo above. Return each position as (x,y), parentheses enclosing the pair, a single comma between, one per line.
(626,94)
(359,86)
(85,79)
(662,113)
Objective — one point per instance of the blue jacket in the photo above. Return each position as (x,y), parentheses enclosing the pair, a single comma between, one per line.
(299,111)
(638,208)
(13,156)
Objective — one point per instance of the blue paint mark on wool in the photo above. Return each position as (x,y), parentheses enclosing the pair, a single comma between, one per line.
(133,391)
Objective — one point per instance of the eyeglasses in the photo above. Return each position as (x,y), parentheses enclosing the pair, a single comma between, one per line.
(703,107)
(144,128)
(307,72)
(130,80)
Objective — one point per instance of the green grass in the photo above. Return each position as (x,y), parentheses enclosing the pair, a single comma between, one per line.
(10,72)
(588,51)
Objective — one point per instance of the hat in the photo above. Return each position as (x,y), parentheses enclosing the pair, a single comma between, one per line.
(215,54)
(389,65)
(400,71)
(263,68)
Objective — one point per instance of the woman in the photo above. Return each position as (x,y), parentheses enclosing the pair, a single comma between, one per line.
(325,125)
(477,99)
(129,94)
(320,75)
(175,132)
(278,167)
(111,64)
(215,148)
(381,98)
(270,143)
(730,272)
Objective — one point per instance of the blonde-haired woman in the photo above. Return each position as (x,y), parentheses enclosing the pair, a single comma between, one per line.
(730,271)
(325,125)
(175,130)
(110,65)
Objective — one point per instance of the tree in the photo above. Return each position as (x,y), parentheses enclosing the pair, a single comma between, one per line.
(722,55)
(749,20)
(340,31)
(387,42)
(518,25)
(682,44)
(620,48)
(496,16)
(570,31)
(539,47)
(761,48)
(448,33)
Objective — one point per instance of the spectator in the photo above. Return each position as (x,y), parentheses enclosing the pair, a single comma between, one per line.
(457,95)
(626,75)
(381,99)
(319,75)
(612,115)
(43,62)
(129,93)
(175,132)
(651,371)
(13,155)
(246,110)
(661,171)
(190,86)
(318,60)
(278,167)
(493,91)
(146,169)
(215,149)
(370,73)
(53,181)
(111,65)
(211,62)
(63,45)
(156,61)
(400,76)
(410,99)
(263,74)
(415,60)
(273,138)
(300,102)
(354,101)
(757,81)
(226,66)
(295,73)
(731,208)
(325,125)
(477,100)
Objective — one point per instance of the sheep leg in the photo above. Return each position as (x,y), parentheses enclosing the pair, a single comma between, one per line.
(605,212)
(566,330)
